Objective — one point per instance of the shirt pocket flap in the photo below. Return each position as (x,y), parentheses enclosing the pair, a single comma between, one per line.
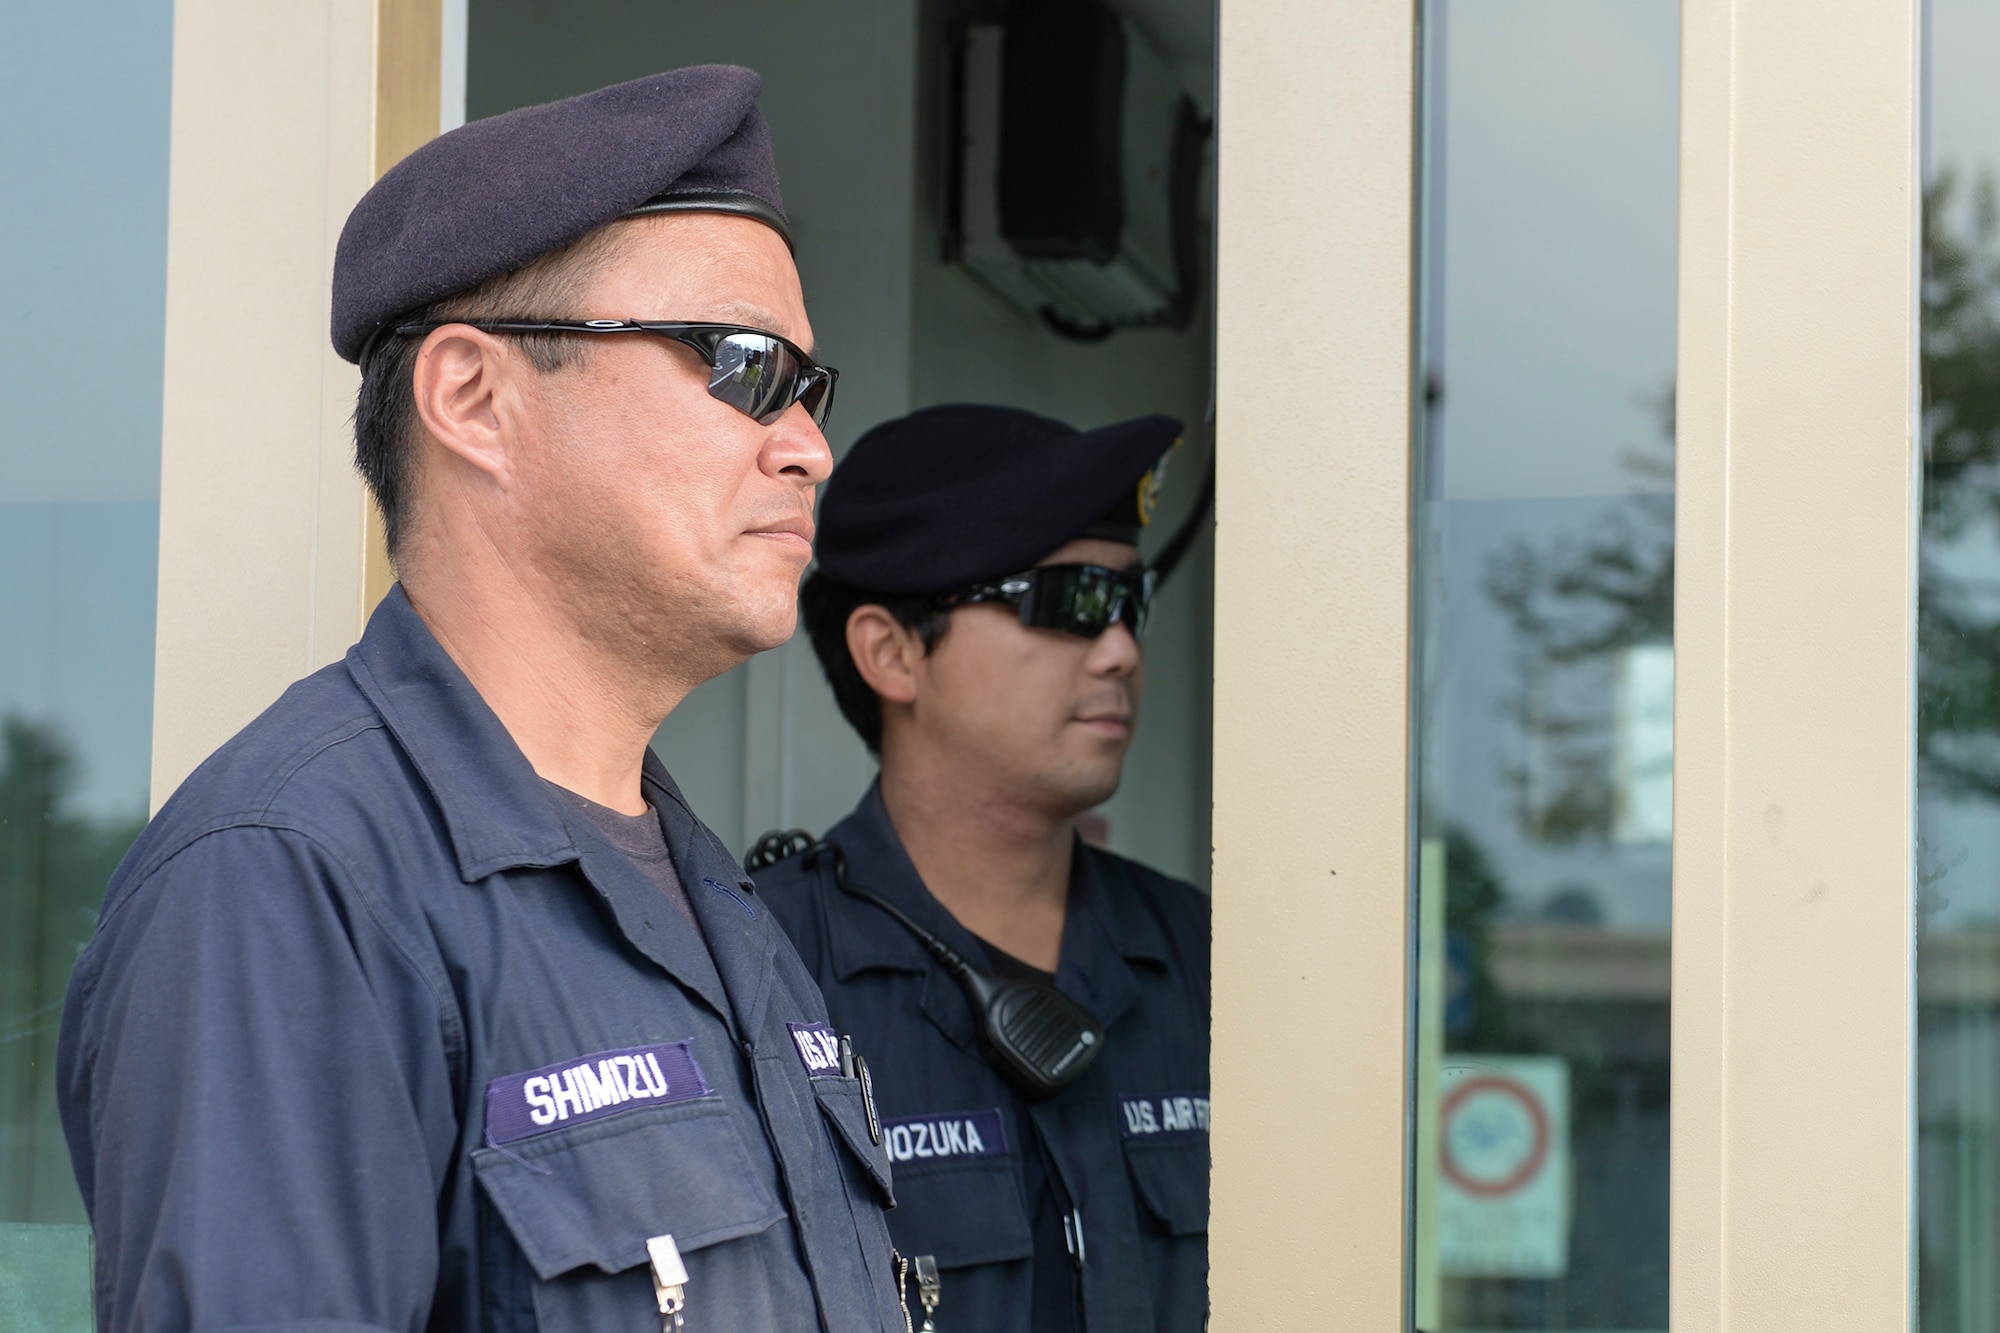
(594,1193)
(1171,1176)
(965,1213)
(841,1100)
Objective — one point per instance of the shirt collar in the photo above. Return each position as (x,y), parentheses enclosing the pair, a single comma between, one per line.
(493,804)
(698,854)
(1104,886)
(862,935)
(1102,893)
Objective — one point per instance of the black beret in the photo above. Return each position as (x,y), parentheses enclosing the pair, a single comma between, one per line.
(495,194)
(951,495)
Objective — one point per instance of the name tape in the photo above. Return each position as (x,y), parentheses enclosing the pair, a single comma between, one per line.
(590,1087)
(952,1134)
(1164,1113)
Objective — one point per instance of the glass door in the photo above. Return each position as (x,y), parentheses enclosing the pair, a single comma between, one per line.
(1958,719)
(1544,663)
(1658,560)
(82,300)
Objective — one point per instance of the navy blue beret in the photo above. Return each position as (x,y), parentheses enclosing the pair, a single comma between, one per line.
(495,194)
(951,495)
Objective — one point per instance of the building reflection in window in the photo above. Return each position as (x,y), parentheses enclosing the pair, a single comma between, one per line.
(1544,687)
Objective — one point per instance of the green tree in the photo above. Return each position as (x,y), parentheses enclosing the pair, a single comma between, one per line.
(1958,623)
(1573,604)
(1474,896)
(54,863)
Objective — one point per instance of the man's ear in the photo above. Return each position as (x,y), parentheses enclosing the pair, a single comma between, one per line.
(885,652)
(468,388)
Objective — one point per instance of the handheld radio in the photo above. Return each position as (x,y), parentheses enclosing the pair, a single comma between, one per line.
(1034,1035)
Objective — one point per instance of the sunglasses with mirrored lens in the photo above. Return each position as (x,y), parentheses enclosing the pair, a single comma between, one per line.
(759,374)
(1084,600)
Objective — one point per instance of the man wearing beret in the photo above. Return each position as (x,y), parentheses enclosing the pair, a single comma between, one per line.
(427,1002)
(978,608)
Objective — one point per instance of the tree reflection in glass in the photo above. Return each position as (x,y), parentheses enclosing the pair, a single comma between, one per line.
(1958,756)
(54,862)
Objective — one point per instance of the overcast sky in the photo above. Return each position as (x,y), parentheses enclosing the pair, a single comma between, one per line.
(1559,137)
(84,94)
(1964,122)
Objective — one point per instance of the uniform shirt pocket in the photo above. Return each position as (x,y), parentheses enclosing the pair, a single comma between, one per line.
(591,1194)
(845,1108)
(965,1211)
(968,1213)
(1170,1176)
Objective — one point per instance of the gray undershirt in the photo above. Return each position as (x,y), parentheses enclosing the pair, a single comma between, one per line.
(641,839)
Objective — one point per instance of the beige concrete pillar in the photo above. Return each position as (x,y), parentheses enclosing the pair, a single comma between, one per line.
(1793,1122)
(282,116)
(1312,590)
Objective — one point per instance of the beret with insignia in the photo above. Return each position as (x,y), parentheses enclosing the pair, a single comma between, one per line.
(951,495)
(495,194)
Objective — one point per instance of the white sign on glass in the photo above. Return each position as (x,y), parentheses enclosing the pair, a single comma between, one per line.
(1503,1202)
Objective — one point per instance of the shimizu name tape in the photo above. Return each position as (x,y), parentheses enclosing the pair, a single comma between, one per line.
(819,1048)
(590,1087)
(1164,1113)
(954,1134)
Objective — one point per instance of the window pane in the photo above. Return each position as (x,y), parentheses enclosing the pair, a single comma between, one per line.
(1958,702)
(82,309)
(1545,663)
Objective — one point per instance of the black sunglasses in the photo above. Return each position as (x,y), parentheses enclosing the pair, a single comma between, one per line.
(1084,600)
(759,374)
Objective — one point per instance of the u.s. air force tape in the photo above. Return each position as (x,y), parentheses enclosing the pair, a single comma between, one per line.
(1164,1113)
(590,1087)
(819,1049)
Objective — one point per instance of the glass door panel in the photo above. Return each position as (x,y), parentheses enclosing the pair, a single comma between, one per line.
(82,310)
(1544,690)
(1958,718)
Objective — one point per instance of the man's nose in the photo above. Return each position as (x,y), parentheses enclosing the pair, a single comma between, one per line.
(1115,652)
(797,449)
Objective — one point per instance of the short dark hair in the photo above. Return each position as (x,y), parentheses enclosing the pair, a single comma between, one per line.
(826,605)
(385,411)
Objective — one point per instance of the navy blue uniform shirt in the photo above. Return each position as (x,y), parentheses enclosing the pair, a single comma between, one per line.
(373,1034)
(1125,1147)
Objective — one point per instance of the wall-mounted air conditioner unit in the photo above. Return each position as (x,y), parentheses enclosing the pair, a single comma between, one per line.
(1079,165)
